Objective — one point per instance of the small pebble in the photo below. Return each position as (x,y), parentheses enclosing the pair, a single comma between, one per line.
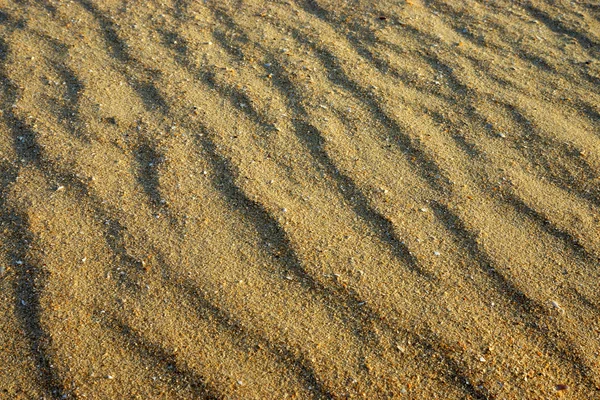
(557,306)
(437,253)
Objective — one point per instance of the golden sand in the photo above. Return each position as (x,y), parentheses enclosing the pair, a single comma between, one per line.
(299,199)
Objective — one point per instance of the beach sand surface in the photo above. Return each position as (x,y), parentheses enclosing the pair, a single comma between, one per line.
(311,199)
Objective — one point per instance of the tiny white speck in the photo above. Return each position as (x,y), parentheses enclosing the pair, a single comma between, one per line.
(556,305)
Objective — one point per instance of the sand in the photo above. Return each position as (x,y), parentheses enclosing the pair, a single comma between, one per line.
(299,199)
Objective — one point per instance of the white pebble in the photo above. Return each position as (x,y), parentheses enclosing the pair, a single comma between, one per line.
(557,306)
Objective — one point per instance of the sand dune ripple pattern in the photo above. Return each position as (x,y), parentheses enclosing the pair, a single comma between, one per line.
(299,199)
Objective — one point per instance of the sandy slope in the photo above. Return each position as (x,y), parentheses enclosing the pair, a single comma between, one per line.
(309,199)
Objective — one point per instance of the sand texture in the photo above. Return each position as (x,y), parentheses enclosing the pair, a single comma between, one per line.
(310,199)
